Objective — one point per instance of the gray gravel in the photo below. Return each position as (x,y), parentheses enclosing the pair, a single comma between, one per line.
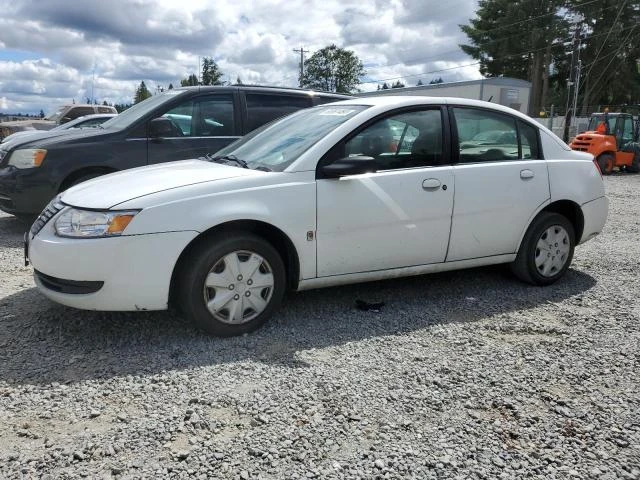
(461,375)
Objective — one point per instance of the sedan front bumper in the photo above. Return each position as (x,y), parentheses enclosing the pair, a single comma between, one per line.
(127,273)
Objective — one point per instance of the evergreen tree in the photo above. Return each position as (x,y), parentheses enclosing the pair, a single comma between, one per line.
(190,81)
(171,86)
(211,73)
(142,93)
(398,84)
(41,113)
(385,86)
(419,84)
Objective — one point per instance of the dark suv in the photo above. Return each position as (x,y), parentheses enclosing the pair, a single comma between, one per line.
(175,125)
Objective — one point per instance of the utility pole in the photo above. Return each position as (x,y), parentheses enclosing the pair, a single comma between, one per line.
(301,51)
(572,90)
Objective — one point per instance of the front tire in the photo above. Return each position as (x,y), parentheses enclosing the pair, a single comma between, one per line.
(606,162)
(231,284)
(546,250)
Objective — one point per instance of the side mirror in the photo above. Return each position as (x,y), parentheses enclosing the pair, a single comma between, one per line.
(161,127)
(350,166)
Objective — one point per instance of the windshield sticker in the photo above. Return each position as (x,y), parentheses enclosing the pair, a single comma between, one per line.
(336,112)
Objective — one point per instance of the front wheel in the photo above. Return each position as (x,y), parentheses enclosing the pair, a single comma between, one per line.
(231,284)
(546,251)
(606,162)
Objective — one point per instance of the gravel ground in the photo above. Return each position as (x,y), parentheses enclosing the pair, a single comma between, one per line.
(460,375)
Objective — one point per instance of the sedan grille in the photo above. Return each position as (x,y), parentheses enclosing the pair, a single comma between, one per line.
(47,214)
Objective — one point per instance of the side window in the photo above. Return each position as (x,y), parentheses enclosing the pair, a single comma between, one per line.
(105,109)
(529,141)
(485,136)
(627,131)
(179,120)
(78,112)
(405,140)
(262,108)
(203,117)
(215,117)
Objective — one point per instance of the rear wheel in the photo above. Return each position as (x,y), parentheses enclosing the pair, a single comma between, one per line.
(635,163)
(606,162)
(546,251)
(231,284)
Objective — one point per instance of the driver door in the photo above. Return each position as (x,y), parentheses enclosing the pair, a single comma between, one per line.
(199,126)
(399,216)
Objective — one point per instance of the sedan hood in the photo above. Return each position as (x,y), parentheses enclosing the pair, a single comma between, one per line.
(110,190)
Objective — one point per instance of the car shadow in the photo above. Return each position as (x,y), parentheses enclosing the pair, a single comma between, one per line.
(42,342)
(12,230)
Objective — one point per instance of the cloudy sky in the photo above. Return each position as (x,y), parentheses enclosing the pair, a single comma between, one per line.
(53,51)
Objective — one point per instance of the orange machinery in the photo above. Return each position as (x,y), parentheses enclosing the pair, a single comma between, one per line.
(612,139)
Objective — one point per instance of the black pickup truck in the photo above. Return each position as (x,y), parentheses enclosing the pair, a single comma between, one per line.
(178,124)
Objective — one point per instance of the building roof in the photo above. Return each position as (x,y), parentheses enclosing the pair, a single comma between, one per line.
(499,81)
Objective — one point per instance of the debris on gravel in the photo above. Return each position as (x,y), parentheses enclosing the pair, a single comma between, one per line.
(468,374)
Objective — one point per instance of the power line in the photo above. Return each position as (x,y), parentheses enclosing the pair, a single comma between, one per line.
(301,51)
(608,34)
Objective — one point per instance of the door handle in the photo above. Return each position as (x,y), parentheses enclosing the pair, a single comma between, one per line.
(525,174)
(431,184)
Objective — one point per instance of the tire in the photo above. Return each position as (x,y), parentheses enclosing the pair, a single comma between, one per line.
(83,178)
(606,162)
(530,264)
(225,262)
(25,218)
(635,163)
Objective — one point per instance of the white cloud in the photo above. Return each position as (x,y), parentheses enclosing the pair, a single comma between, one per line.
(160,42)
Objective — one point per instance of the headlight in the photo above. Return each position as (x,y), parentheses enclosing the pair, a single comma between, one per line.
(27,157)
(76,223)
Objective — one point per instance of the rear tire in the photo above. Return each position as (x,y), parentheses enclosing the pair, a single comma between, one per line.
(546,250)
(231,284)
(606,162)
(635,163)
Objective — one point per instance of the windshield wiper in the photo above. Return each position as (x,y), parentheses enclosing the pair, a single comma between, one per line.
(225,159)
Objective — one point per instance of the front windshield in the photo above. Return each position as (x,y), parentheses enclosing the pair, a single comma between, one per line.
(277,145)
(598,119)
(134,113)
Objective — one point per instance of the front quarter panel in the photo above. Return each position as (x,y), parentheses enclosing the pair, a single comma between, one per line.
(286,201)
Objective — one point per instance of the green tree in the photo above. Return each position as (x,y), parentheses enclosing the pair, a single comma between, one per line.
(398,84)
(171,86)
(239,81)
(419,84)
(190,81)
(333,69)
(436,81)
(142,93)
(211,73)
(41,114)
(385,86)
(121,107)
(520,39)
(610,54)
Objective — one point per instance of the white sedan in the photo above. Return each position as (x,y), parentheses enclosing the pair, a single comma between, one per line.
(353,191)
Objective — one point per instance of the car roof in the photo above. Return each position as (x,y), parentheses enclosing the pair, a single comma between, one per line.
(264,88)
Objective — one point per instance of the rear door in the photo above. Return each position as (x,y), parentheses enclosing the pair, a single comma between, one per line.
(196,127)
(501,180)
